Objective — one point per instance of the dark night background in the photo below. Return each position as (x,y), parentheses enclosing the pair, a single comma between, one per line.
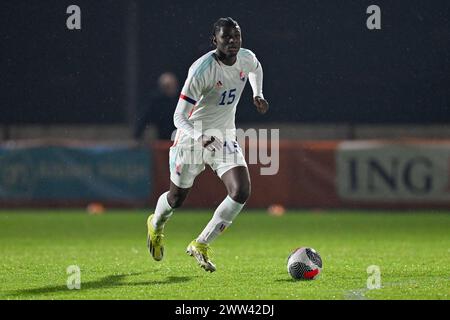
(321,63)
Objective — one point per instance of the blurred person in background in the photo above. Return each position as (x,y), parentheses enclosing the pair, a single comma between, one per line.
(159,108)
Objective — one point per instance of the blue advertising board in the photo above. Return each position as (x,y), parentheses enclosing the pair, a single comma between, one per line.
(113,173)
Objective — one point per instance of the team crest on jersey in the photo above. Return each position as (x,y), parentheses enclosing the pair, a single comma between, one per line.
(242,75)
(219,84)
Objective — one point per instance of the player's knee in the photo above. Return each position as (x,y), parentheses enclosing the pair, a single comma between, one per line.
(240,194)
(175,200)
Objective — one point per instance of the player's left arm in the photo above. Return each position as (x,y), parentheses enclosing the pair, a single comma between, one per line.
(256,81)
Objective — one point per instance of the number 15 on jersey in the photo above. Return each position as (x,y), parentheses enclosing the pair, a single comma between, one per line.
(227,97)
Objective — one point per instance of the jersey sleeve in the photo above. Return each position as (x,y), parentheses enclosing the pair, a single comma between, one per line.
(192,91)
(255,75)
(193,88)
(252,61)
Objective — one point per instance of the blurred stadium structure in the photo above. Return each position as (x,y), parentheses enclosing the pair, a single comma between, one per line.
(364,116)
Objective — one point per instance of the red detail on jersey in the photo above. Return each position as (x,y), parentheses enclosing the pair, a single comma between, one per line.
(186,98)
(311,274)
(191,112)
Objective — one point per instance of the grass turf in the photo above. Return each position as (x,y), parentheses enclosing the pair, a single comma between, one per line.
(412,251)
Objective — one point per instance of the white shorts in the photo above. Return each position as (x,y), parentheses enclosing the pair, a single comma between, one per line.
(186,164)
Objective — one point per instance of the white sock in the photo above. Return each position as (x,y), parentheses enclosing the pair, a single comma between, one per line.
(163,211)
(223,217)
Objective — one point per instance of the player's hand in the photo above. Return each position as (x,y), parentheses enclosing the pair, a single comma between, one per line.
(261,104)
(211,143)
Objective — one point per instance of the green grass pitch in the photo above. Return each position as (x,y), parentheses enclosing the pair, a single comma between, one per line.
(412,251)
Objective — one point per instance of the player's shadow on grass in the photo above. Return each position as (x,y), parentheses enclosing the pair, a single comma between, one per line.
(111,281)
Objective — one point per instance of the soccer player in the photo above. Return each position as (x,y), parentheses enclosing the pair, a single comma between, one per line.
(206,134)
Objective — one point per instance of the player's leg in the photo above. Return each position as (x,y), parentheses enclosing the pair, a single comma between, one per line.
(165,206)
(182,176)
(237,183)
(167,203)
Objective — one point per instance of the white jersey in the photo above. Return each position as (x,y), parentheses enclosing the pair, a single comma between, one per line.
(211,92)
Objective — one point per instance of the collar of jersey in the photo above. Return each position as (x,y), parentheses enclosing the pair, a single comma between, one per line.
(223,64)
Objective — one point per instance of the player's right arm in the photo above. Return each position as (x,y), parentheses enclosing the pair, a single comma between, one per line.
(192,91)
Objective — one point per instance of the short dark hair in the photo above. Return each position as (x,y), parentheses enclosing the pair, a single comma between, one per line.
(224,22)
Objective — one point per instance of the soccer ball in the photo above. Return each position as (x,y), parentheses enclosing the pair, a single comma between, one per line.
(304,263)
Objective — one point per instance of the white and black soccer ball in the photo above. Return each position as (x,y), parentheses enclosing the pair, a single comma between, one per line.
(304,264)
